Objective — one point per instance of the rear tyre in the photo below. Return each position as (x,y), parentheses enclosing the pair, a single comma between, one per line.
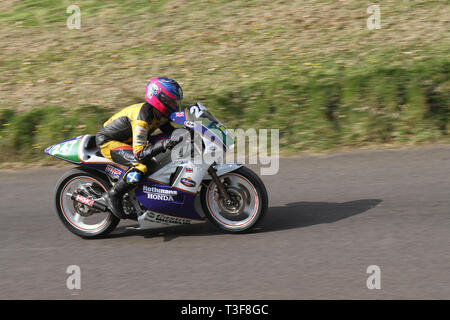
(250,201)
(80,219)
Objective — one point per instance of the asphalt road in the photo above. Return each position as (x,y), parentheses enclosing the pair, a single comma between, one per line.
(329,219)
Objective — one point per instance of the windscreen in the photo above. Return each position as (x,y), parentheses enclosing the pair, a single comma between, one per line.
(199,113)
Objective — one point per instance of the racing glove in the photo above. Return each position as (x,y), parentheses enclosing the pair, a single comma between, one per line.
(160,146)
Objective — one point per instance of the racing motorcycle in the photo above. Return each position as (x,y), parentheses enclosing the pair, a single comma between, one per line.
(194,186)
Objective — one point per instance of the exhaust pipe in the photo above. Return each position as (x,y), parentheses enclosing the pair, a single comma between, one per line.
(89,202)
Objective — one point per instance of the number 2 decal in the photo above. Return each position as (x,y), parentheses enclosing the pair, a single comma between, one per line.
(197,110)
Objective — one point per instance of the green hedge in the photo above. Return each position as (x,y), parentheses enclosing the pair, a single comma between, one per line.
(319,111)
(24,136)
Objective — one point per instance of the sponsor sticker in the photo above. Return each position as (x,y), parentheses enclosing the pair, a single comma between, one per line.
(165,219)
(140,139)
(155,88)
(112,171)
(161,194)
(189,124)
(84,200)
(141,130)
(179,114)
(148,189)
(140,135)
(157,196)
(188,182)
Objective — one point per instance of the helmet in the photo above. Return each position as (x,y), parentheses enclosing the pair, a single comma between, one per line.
(164,94)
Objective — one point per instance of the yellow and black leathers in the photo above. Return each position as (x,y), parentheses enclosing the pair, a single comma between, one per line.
(123,138)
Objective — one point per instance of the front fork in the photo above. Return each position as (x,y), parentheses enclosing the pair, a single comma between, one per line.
(222,190)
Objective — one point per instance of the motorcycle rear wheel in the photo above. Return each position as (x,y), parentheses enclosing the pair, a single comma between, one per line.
(78,218)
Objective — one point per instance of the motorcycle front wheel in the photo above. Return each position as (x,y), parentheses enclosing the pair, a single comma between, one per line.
(249,201)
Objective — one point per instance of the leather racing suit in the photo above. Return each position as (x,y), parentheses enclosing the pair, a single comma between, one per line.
(123,137)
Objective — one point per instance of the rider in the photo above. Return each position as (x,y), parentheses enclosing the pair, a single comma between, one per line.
(133,125)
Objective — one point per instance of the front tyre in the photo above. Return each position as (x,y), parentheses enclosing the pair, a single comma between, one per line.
(84,221)
(249,197)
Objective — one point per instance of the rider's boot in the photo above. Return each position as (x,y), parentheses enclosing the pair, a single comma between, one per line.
(114,196)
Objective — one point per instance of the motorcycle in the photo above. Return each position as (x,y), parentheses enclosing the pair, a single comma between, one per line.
(177,190)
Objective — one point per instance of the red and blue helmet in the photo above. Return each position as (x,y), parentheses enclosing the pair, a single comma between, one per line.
(164,94)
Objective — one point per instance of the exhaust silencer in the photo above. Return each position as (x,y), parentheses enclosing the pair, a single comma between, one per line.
(89,202)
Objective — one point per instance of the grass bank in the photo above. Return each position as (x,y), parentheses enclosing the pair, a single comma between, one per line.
(324,111)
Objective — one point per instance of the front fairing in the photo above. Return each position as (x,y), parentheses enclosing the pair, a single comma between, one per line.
(199,119)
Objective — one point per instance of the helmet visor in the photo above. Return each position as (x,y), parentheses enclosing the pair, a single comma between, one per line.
(172,105)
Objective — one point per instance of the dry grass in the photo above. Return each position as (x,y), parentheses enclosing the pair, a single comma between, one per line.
(206,45)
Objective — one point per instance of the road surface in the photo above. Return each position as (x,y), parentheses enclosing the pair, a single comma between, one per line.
(330,218)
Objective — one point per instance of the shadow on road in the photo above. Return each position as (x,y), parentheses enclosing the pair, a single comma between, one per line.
(304,214)
(290,216)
